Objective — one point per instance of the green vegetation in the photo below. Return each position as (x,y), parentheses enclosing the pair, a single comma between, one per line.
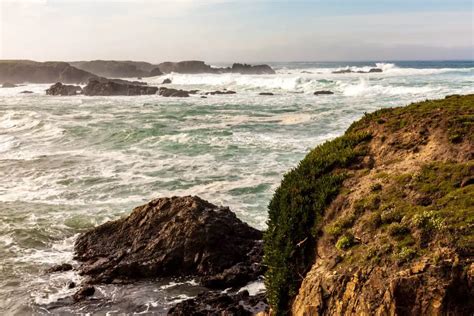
(295,211)
(408,211)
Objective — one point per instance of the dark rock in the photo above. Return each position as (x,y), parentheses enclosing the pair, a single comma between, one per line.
(60,268)
(105,87)
(156,72)
(323,92)
(186,67)
(17,71)
(193,91)
(375,70)
(172,236)
(83,292)
(221,92)
(8,85)
(240,304)
(166,81)
(203,97)
(139,78)
(342,71)
(167,92)
(349,71)
(71,285)
(63,90)
(26,92)
(117,68)
(265,93)
(252,70)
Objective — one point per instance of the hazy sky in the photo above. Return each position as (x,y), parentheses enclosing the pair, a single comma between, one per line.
(236,30)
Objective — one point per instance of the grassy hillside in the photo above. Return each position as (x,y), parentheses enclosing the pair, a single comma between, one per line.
(402,175)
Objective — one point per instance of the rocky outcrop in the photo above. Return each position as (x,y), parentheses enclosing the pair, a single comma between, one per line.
(8,85)
(384,225)
(63,90)
(166,81)
(323,92)
(350,71)
(240,304)
(169,92)
(186,67)
(197,67)
(175,236)
(111,87)
(18,71)
(252,70)
(118,68)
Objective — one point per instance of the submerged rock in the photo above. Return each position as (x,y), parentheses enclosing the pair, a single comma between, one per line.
(63,90)
(8,85)
(323,92)
(240,304)
(60,268)
(265,93)
(175,236)
(220,92)
(26,92)
(106,87)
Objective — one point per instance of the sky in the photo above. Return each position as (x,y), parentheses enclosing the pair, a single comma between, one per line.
(237,30)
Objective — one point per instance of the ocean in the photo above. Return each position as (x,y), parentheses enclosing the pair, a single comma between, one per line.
(70,163)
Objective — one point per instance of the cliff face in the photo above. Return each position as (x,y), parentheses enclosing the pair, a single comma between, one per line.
(391,231)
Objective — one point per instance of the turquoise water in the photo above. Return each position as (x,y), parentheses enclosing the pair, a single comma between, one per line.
(70,163)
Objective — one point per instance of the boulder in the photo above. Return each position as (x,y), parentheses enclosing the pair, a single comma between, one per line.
(240,304)
(106,87)
(178,236)
(60,268)
(265,93)
(167,92)
(83,293)
(63,90)
(8,85)
(166,81)
(323,92)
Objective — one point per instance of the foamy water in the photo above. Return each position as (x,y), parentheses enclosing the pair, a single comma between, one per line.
(70,163)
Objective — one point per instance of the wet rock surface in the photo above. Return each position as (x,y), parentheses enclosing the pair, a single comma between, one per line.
(240,304)
(166,81)
(110,87)
(266,93)
(60,268)
(175,236)
(169,92)
(63,90)
(220,92)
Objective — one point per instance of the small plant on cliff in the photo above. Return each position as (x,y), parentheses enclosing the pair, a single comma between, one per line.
(294,213)
(345,242)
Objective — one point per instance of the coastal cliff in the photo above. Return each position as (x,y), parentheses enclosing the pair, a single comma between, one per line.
(379,221)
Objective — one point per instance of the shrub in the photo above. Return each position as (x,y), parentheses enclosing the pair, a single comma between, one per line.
(406,254)
(337,228)
(345,242)
(428,220)
(294,213)
(397,229)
